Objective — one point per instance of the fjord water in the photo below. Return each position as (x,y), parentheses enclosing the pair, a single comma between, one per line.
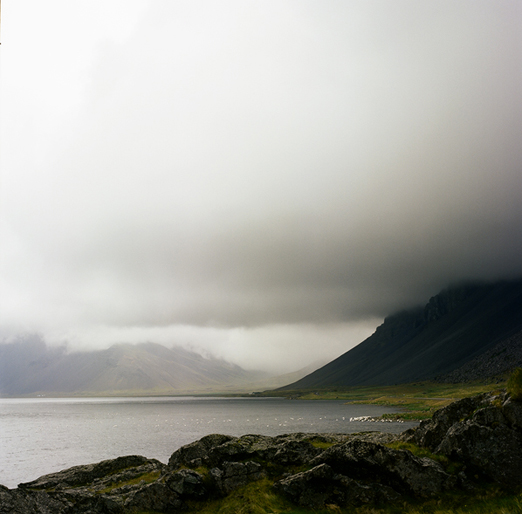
(44,435)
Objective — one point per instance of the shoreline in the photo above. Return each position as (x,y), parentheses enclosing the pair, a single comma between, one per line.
(470,449)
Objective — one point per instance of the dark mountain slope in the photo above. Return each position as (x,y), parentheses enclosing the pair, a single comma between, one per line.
(496,362)
(456,326)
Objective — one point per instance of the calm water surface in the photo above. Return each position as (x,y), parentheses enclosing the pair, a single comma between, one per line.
(44,435)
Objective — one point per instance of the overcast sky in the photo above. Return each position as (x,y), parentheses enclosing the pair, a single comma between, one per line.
(262,180)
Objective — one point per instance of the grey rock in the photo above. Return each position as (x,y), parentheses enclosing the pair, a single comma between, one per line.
(321,486)
(96,505)
(430,433)
(77,476)
(484,433)
(16,501)
(489,416)
(186,483)
(399,469)
(213,450)
(512,411)
(154,497)
(194,454)
(373,437)
(232,475)
(494,450)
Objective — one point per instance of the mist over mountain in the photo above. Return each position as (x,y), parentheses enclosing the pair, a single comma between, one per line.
(461,328)
(29,366)
(263,181)
(465,332)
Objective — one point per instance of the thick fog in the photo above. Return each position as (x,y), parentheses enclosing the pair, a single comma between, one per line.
(263,181)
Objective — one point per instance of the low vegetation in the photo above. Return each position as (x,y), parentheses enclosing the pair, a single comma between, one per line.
(146,478)
(514,384)
(259,498)
(449,466)
(417,401)
(255,498)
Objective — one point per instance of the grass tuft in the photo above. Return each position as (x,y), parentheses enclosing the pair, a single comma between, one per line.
(260,498)
(514,384)
(449,466)
(147,478)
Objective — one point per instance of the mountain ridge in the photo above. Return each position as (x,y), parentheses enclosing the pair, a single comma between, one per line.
(453,328)
(29,367)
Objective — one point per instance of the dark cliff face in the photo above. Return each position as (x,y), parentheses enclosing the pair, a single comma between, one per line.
(449,300)
(403,322)
(455,326)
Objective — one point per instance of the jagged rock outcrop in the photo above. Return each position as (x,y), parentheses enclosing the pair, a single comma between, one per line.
(484,433)
(125,484)
(213,450)
(232,475)
(359,472)
(321,486)
(430,432)
(481,435)
(399,469)
(100,475)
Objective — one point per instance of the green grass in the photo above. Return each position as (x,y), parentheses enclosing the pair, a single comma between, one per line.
(259,498)
(449,466)
(147,478)
(418,400)
(514,384)
(322,445)
(255,498)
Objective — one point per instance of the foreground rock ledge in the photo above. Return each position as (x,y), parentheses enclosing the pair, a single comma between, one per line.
(481,436)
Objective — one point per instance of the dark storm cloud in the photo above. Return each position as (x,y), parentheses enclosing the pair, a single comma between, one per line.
(270,164)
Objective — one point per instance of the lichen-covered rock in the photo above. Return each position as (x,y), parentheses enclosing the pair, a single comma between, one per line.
(495,450)
(93,504)
(484,433)
(156,497)
(187,483)
(399,469)
(213,450)
(512,411)
(430,433)
(119,469)
(321,486)
(290,449)
(232,475)
(196,453)
(100,488)
(16,501)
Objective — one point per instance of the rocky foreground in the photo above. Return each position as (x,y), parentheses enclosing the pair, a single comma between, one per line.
(471,441)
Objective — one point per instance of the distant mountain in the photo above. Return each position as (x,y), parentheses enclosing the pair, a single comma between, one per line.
(455,327)
(29,367)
